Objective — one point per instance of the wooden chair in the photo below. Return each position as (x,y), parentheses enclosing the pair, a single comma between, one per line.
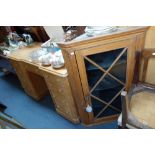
(138,105)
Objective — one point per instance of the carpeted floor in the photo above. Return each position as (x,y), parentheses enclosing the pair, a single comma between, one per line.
(33,114)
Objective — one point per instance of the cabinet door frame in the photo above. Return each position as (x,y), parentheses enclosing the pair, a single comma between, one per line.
(129,44)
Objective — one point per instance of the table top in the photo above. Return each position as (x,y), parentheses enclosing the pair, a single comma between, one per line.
(84,39)
(23,54)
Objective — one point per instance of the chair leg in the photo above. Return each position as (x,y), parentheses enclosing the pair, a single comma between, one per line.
(121,127)
(124,109)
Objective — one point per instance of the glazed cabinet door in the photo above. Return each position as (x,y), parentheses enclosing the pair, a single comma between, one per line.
(105,71)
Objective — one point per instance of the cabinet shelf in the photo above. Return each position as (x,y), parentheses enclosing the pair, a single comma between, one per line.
(105,59)
(97,107)
(107,82)
(91,67)
(107,94)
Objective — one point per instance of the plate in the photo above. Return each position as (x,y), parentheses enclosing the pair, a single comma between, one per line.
(97,30)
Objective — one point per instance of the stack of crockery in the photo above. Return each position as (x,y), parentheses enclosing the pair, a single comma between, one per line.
(98,30)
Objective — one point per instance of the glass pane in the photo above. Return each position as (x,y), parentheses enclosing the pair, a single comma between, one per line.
(119,69)
(93,74)
(110,85)
(97,106)
(110,111)
(105,59)
(107,88)
(117,103)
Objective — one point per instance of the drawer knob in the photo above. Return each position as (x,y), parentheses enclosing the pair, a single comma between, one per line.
(72,53)
(89,109)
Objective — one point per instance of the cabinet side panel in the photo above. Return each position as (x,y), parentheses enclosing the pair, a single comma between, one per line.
(74,80)
(60,91)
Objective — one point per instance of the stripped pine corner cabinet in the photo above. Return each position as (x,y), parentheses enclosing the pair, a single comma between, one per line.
(99,69)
